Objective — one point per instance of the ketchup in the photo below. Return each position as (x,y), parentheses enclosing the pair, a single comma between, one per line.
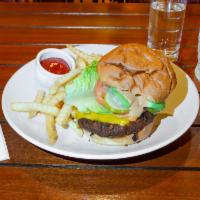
(55,65)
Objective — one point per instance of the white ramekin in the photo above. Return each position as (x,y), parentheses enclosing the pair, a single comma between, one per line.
(45,77)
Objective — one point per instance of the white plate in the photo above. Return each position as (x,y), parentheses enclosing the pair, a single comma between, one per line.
(22,86)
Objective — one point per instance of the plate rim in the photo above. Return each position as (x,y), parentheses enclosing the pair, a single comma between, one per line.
(54,150)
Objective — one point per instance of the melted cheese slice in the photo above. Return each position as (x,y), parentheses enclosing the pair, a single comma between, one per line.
(103,118)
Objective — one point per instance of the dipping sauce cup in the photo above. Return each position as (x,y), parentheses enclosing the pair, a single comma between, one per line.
(52,63)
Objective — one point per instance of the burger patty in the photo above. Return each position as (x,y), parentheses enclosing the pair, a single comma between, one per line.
(114,130)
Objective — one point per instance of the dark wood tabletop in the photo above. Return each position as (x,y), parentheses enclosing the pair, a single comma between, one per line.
(172,172)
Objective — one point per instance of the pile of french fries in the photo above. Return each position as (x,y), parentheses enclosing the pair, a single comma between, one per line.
(52,103)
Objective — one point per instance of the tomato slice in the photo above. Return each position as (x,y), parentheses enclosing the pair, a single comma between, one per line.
(100,92)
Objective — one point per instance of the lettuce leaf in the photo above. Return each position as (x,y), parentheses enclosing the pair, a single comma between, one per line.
(80,92)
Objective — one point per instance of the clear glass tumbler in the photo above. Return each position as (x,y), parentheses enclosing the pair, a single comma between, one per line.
(166,21)
(197,69)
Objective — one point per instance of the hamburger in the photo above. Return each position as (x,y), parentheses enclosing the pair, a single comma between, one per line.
(117,98)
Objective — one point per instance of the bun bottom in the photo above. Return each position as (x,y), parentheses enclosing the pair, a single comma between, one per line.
(125,140)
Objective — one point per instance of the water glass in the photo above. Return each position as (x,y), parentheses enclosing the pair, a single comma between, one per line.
(166,21)
(197,69)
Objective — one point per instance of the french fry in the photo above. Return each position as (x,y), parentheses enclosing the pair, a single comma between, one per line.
(61,89)
(51,129)
(56,99)
(60,104)
(96,56)
(63,115)
(38,99)
(73,125)
(73,112)
(63,80)
(47,98)
(36,107)
(50,120)
(80,63)
(87,58)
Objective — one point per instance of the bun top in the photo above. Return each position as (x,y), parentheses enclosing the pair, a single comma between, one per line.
(139,70)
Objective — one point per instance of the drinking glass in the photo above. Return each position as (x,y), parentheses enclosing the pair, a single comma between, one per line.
(197,69)
(166,21)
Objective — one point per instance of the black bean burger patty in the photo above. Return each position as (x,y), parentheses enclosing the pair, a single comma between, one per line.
(114,130)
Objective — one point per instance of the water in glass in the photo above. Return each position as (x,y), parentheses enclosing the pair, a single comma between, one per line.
(165,27)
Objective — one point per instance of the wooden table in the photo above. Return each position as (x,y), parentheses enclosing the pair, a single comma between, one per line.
(170,173)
